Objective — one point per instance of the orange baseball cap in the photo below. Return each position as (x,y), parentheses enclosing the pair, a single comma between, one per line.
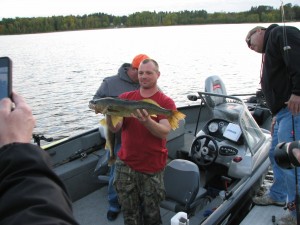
(138,59)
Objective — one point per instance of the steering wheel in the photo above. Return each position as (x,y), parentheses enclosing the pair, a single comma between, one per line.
(204,150)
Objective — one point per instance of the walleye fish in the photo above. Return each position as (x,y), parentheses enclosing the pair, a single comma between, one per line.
(119,108)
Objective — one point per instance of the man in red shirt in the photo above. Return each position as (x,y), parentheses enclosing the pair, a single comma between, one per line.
(143,154)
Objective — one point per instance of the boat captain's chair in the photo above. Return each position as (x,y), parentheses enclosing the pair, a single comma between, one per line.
(182,185)
(214,84)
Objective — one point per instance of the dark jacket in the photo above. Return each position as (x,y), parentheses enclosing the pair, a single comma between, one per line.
(281,65)
(30,192)
(115,85)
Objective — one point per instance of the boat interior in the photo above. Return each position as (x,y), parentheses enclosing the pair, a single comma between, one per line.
(81,162)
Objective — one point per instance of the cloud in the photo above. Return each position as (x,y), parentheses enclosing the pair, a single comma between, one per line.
(35,8)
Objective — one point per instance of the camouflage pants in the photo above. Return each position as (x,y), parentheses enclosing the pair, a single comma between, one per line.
(139,194)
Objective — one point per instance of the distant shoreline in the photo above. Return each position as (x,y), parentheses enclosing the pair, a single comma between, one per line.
(260,14)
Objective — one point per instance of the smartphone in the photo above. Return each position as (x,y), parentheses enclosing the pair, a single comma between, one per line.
(5,77)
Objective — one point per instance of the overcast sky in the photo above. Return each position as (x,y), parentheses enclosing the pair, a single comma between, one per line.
(36,8)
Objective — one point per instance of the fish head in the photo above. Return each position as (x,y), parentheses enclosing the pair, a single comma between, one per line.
(98,105)
(92,105)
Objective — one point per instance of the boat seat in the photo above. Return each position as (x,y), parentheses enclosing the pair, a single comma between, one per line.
(182,185)
(214,84)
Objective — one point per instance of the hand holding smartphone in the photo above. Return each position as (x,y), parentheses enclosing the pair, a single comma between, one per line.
(5,77)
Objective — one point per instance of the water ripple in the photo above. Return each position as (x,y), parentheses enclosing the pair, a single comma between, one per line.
(58,73)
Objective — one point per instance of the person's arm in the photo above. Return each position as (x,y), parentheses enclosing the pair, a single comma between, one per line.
(16,125)
(102,90)
(291,57)
(31,193)
(293,104)
(160,129)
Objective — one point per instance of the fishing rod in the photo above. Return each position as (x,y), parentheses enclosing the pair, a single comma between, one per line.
(286,48)
(79,154)
(297,197)
(37,138)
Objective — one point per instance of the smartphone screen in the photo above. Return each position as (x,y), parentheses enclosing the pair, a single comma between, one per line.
(5,77)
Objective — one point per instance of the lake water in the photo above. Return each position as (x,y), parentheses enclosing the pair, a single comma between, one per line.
(58,73)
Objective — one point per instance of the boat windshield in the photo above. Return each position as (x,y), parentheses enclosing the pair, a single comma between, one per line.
(234,110)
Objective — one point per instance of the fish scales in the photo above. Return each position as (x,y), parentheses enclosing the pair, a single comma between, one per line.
(119,108)
(124,108)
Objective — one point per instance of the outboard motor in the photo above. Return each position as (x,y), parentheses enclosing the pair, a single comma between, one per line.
(214,84)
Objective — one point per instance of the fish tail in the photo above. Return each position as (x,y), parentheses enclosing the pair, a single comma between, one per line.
(174,119)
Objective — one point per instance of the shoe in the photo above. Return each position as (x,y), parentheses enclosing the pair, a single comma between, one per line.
(111,215)
(287,220)
(265,200)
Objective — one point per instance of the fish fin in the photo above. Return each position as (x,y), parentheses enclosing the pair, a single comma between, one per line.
(115,120)
(103,122)
(105,110)
(174,119)
(148,100)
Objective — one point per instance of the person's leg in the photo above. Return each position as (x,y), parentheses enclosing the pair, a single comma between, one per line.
(288,125)
(114,206)
(277,193)
(285,134)
(278,190)
(125,185)
(152,194)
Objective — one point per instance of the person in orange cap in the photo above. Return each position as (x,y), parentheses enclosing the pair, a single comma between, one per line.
(125,80)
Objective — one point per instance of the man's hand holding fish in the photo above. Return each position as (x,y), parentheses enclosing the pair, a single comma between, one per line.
(160,129)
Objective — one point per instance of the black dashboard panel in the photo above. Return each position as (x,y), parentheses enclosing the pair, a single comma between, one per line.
(228,151)
(216,129)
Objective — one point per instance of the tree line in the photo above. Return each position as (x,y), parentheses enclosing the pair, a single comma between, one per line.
(260,14)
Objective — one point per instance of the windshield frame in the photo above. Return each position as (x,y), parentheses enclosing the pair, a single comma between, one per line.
(236,111)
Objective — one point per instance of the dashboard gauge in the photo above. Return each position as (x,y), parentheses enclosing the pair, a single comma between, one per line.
(213,127)
(222,126)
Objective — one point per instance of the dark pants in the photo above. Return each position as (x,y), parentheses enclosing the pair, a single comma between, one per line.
(112,194)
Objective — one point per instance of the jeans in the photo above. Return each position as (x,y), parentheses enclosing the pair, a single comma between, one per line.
(284,186)
(112,194)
